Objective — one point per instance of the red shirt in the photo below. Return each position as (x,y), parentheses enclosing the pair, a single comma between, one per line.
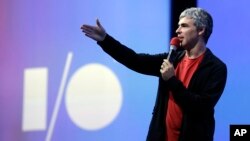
(184,72)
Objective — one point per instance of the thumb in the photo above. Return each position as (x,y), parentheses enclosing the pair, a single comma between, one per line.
(98,23)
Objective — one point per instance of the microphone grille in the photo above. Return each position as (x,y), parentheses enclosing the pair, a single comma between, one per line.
(175,41)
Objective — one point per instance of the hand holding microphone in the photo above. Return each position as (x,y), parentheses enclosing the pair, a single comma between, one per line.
(167,69)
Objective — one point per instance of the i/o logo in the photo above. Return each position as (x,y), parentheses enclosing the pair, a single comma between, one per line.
(93,97)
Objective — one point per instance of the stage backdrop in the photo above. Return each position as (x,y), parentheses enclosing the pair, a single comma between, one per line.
(58,85)
(230,41)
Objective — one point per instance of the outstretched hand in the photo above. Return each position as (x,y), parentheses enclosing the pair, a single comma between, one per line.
(97,32)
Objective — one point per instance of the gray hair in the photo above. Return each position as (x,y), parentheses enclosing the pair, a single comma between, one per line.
(202,19)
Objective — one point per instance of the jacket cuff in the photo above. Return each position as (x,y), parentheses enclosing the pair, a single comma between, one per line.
(174,83)
(105,41)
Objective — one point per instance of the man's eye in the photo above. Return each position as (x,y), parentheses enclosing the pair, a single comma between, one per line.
(184,25)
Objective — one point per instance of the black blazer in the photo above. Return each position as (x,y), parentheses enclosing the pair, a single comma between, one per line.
(197,101)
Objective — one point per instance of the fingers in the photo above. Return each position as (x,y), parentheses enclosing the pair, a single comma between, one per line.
(96,32)
(90,36)
(162,70)
(166,63)
(88,29)
(167,70)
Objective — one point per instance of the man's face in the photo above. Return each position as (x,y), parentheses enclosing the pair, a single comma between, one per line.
(187,33)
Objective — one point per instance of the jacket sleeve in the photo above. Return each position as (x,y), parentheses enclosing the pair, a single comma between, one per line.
(204,90)
(139,62)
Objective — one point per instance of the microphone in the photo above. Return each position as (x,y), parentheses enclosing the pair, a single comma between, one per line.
(174,44)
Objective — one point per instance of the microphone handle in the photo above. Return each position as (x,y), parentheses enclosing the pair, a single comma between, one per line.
(169,54)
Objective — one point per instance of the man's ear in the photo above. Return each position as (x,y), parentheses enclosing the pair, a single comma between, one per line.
(201,31)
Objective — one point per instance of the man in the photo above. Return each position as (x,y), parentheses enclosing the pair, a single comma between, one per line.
(189,86)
